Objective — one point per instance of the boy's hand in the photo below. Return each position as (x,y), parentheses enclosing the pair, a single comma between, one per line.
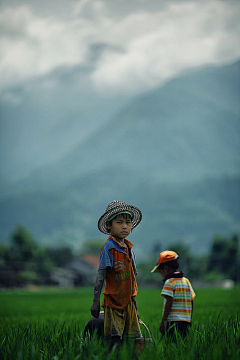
(95,309)
(162,326)
(167,309)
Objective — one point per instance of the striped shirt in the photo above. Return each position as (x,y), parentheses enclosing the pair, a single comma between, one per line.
(180,289)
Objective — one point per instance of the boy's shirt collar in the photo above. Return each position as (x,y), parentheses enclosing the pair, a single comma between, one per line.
(127,242)
(176,274)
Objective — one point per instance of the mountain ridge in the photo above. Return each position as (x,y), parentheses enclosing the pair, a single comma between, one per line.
(166,126)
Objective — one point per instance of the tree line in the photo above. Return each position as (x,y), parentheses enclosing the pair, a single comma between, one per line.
(23,261)
(221,263)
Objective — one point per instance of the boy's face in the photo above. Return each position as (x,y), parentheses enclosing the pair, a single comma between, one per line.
(120,227)
(164,271)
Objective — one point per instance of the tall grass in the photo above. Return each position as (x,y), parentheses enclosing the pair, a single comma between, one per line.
(50,324)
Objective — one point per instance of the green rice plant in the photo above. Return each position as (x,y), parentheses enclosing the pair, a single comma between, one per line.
(49,325)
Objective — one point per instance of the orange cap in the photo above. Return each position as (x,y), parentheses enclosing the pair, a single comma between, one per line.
(165,256)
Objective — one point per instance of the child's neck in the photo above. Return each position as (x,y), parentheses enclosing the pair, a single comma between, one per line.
(174,273)
(121,241)
(170,272)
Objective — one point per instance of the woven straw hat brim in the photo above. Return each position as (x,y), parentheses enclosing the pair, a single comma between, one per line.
(137,216)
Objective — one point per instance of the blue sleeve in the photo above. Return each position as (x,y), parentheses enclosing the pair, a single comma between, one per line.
(106,259)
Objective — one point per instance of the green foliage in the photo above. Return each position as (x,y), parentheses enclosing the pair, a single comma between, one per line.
(23,246)
(4,250)
(60,256)
(49,324)
(92,246)
(223,262)
(224,257)
(24,262)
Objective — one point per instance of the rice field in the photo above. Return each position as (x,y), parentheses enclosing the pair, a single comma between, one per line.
(49,323)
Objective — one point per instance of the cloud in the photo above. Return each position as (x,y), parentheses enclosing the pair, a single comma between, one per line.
(181,36)
(143,48)
(33,46)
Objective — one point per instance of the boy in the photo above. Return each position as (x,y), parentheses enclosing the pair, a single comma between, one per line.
(117,267)
(178,295)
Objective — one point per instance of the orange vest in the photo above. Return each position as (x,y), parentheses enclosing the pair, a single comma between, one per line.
(120,281)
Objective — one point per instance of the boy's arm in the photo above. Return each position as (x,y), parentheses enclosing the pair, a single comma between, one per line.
(167,309)
(95,308)
(191,314)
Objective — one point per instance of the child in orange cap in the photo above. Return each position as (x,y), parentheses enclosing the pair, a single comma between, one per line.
(178,295)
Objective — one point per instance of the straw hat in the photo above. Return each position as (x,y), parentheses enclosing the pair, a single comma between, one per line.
(115,208)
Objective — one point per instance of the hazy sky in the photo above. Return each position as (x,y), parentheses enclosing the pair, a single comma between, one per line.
(140,46)
(113,50)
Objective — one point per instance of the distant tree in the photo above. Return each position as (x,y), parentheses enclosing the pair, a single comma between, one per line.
(193,266)
(23,261)
(234,268)
(17,259)
(22,248)
(188,263)
(43,264)
(92,246)
(4,250)
(60,256)
(144,273)
(156,249)
(185,257)
(223,257)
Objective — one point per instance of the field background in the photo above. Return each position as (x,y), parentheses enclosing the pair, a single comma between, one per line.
(48,324)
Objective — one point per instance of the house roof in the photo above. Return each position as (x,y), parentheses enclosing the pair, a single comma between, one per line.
(91,259)
(84,265)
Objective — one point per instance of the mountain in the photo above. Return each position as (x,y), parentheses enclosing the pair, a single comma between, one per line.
(186,130)
(43,119)
(174,152)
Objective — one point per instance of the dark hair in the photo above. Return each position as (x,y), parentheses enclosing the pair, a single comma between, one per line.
(125,215)
(173,264)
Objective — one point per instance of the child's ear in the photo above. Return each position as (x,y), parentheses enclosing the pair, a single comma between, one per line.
(108,226)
